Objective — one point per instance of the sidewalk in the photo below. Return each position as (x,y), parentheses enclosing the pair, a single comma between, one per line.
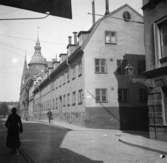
(144,143)
(126,138)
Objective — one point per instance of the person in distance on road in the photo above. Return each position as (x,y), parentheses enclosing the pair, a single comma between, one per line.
(14,126)
(50,117)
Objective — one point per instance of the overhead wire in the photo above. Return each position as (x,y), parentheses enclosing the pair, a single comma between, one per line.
(29,39)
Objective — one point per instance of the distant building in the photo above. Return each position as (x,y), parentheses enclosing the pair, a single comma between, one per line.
(11,104)
(155,20)
(32,75)
(90,85)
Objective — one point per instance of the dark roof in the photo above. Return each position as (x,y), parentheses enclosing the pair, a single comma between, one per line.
(83,32)
(62,54)
(151,4)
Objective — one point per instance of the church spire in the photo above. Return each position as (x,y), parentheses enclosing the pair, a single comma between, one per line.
(37,47)
(25,61)
(25,69)
(25,72)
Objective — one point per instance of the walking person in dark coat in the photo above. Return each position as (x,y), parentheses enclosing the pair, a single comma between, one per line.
(14,126)
(50,117)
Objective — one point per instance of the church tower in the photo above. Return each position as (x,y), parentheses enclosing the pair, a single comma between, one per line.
(25,74)
(23,101)
(38,63)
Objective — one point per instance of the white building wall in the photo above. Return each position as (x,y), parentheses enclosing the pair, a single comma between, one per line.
(130,39)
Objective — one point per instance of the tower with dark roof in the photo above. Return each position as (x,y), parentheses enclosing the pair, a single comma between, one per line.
(38,63)
(34,69)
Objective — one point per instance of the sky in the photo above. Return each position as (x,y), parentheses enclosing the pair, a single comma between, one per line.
(17,38)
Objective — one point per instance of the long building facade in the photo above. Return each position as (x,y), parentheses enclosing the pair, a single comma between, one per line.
(155,19)
(90,85)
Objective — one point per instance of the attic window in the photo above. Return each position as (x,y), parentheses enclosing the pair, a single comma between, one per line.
(126,16)
(110,37)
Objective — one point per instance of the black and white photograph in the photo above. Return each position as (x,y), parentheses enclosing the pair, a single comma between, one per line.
(83,81)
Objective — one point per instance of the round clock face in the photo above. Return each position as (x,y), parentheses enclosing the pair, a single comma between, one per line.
(126,16)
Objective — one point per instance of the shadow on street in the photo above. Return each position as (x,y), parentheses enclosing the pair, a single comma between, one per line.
(42,143)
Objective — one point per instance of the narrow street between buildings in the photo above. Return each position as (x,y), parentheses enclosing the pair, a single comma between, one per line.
(43,143)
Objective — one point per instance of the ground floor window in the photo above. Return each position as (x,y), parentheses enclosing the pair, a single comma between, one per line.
(80,97)
(122,94)
(155,115)
(155,109)
(101,95)
(73,98)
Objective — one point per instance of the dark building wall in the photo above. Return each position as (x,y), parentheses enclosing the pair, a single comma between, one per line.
(102,117)
(151,15)
(123,118)
(154,12)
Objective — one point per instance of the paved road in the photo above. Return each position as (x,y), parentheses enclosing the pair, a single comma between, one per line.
(52,144)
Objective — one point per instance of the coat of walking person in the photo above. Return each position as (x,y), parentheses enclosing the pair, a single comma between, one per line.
(14,126)
(50,117)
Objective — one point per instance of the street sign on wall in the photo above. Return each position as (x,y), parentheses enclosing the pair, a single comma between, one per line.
(61,8)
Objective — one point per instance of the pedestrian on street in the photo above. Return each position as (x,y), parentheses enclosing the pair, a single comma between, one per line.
(49,114)
(14,126)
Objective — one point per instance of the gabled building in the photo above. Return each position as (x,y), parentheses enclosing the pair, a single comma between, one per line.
(155,20)
(90,85)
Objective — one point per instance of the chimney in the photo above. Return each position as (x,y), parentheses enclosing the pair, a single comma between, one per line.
(69,40)
(107,7)
(75,38)
(93,12)
(63,57)
(55,63)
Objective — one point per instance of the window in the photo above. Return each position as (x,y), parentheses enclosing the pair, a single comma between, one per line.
(64,78)
(122,94)
(64,100)
(160,41)
(80,69)
(110,37)
(142,95)
(121,64)
(53,103)
(155,108)
(141,66)
(101,95)
(74,72)
(74,98)
(80,97)
(155,115)
(163,38)
(68,75)
(126,16)
(56,103)
(100,66)
(68,99)
(59,81)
